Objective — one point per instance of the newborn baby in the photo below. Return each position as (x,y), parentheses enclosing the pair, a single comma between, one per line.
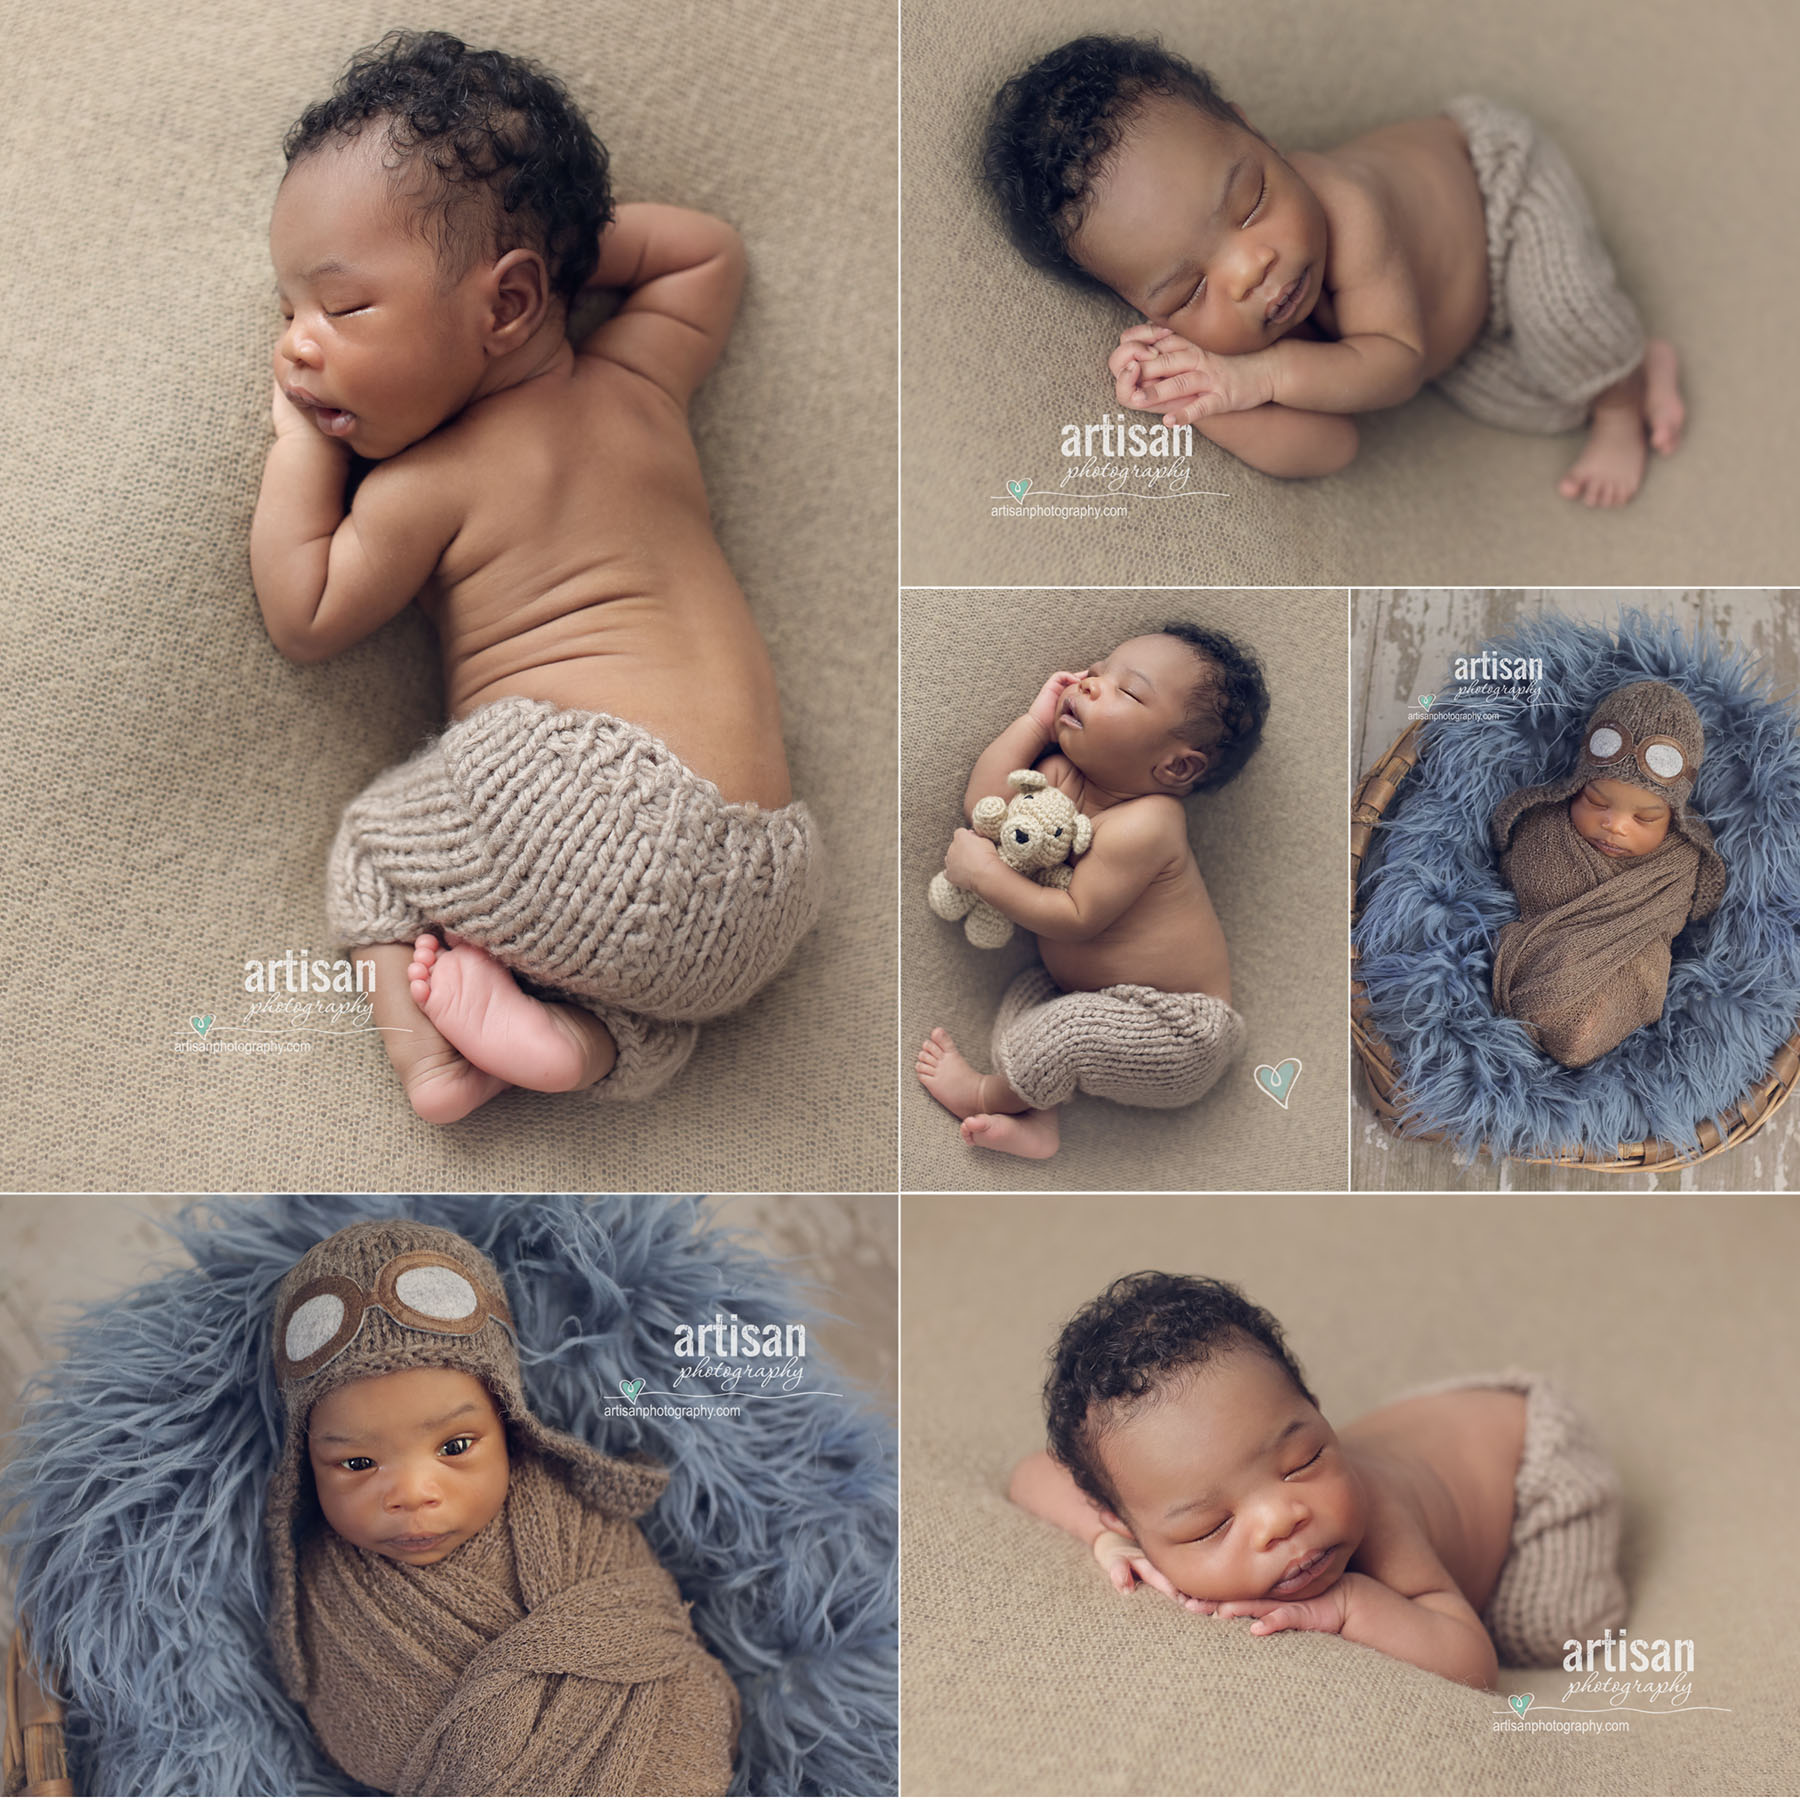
(459,1597)
(1469,1519)
(1608,863)
(1284,294)
(1132,1000)
(608,816)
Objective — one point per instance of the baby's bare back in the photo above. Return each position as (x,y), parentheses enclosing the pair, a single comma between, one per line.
(1413,184)
(1443,1464)
(585,573)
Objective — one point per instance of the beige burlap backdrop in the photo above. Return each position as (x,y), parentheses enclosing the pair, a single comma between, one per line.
(1667,1319)
(1270,847)
(171,784)
(1682,128)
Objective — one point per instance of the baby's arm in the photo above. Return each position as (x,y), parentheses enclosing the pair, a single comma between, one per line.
(1041,1485)
(1136,846)
(684,272)
(1400,1601)
(1019,746)
(326,578)
(1435,1630)
(1278,440)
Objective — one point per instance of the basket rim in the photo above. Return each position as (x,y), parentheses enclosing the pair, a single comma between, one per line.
(34,1739)
(1375,1059)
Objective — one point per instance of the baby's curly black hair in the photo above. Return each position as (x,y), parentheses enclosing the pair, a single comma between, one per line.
(1229,705)
(1051,128)
(504,157)
(1129,1344)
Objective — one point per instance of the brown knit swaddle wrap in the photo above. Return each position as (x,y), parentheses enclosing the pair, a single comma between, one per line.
(1587,961)
(551,1653)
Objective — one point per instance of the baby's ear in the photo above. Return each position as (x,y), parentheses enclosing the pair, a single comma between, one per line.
(1113,1522)
(1181,769)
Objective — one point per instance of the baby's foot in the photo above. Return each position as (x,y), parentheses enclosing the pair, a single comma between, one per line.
(1665,413)
(444,1086)
(947,1076)
(476,1004)
(1034,1134)
(1611,468)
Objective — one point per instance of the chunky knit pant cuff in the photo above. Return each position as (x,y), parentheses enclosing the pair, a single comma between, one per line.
(1561,1577)
(1559,329)
(1136,1045)
(584,855)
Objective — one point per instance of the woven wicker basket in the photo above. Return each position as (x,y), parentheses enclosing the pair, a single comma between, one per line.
(1743,1119)
(34,1761)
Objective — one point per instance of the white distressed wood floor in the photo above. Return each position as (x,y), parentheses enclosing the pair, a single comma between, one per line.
(1402,641)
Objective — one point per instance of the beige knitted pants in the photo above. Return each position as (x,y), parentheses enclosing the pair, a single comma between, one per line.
(1133,1044)
(584,855)
(1560,329)
(1561,1577)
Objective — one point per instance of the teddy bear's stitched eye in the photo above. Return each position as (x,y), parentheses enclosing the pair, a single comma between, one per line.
(1059,831)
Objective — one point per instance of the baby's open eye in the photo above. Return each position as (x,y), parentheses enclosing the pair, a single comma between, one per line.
(356,1464)
(457,1446)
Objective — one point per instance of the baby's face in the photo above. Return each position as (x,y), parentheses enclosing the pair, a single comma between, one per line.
(1618,819)
(1206,229)
(376,352)
(1120,724)
(409,1465)
(1235,1485)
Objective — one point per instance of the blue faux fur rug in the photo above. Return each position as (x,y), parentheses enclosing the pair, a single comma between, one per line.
(1433,903)
(138,1480)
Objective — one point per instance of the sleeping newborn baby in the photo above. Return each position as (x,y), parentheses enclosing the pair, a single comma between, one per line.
(1608,863)
(1466,1526)
(602,848)
(1285,293)
(459,1596)
(1132,998)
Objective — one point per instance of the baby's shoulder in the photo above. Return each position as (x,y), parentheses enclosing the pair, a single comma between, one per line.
(1150,822)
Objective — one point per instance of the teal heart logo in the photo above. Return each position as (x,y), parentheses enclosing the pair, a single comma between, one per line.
(1278,1081)
(201,1023)
(1519,1702)
(1425,701)
(1019,489)
(631,1389)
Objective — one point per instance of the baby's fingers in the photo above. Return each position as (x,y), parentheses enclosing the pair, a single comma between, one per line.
(1282,1618)
(1127,356)
(1143,334)
(1151,1576)
(1172,362)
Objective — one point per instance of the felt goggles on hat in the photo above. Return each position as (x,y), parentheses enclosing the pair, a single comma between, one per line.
(423,1290)
(1661,758)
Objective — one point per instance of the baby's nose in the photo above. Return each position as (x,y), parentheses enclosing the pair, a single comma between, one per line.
(1254,266)
(297,345)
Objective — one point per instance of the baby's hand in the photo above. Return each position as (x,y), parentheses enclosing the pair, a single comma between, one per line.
(968,855)
(1049,701)
(1324,1612)
(1126,1564)
(288,418)
(1160,371)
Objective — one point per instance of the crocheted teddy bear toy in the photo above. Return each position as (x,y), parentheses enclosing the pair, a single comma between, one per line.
(1037,831)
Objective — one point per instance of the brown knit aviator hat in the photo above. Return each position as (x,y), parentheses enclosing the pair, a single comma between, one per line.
(1648,734)
(393,1294)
